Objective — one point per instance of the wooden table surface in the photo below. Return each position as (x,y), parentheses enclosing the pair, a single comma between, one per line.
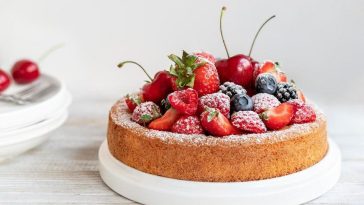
(64,170)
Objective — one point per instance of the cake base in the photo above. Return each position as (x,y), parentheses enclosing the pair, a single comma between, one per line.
(296,188)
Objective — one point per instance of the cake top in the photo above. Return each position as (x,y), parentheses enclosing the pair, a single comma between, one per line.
(233,98)
(122,117)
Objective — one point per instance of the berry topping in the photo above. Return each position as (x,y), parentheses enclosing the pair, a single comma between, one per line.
(216,123)
(263,102)
(132,101)
(248,121)
(25,71)
(4,80)
(206,56)
(188,125)
(266,83)
(145,113)
(165,122)
(185,101)
(219,101)
(165,105)
(192,71)
(303,114)
(278,117)
(241,102)
(286,92)
(272,68)
(231,89)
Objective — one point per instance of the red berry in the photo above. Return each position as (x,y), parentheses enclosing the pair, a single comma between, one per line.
(159,88)
(237,69)
(264,101)
(248,121)
(303,112)
(206,56)
(146,112)
(216,123)
(25,71)
(165,122)
(272,68)
(219,101)
(185,101)
(132,101)
(4,80)
(192,71)
(278,117)
(188,125)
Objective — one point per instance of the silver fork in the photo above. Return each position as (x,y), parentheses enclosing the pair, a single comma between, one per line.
(27,95)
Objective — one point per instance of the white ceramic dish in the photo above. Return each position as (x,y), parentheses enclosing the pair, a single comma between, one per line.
(29,137)
(17,116)
(295,188)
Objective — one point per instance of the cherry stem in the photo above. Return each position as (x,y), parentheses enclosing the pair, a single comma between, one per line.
(133,62)
(223,9)
(49,51)
(256,35)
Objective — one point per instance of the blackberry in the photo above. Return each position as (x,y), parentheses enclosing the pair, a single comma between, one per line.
(230,89)
(286,92)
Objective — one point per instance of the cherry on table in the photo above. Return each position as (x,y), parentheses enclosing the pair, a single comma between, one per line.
(4,80)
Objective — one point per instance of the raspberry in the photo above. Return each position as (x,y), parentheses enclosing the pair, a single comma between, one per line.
(264,101)
(188,125)
(219,101)
(185,101)
(303,114)
(146,112)
(248,121)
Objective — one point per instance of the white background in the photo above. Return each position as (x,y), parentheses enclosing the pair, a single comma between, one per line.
(319,43)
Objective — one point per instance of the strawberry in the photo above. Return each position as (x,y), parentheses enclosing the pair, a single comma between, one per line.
(216,123)
(278,117)
(219,101)
(248,121)
(132,101)
(303,112)
(206,56)
(157,88)
(194,72)
(272,68)
(185,101)
(188,125)
(165,122)
(145,113)
(264,101)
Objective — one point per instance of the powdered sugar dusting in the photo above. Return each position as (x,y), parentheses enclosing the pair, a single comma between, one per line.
(219,101)
(264,101)
(120,115)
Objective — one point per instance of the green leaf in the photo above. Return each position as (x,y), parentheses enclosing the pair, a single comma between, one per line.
(177,60)
(146,118)
(212,114)
(173,71)
(191,81)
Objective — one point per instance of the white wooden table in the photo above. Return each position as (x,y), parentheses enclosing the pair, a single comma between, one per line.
(64,169)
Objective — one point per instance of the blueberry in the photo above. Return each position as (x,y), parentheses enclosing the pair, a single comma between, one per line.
(241,102)
(266,83)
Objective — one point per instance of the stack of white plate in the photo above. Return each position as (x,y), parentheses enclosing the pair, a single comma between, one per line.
(23,127)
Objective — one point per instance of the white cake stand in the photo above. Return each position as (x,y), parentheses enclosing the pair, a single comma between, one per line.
(295,188)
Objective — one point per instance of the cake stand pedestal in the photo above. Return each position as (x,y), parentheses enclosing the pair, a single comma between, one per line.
(296,188)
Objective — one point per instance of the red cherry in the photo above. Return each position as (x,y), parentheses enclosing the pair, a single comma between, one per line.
(4,80)
(25,71)
(239,68)
(158,88)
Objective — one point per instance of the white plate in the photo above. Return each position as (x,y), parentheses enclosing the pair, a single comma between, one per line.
(29,137)
(295,188)
(16,116)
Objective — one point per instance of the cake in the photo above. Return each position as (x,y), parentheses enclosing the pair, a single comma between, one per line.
(230,120)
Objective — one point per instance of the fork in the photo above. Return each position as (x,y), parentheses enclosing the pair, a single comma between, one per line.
(27,95)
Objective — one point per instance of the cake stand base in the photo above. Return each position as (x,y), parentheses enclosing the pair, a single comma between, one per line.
(296,188)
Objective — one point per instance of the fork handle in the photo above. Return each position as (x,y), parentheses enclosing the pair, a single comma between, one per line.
(12,99)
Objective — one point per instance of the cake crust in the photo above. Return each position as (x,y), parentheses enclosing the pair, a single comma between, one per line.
(205,158)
